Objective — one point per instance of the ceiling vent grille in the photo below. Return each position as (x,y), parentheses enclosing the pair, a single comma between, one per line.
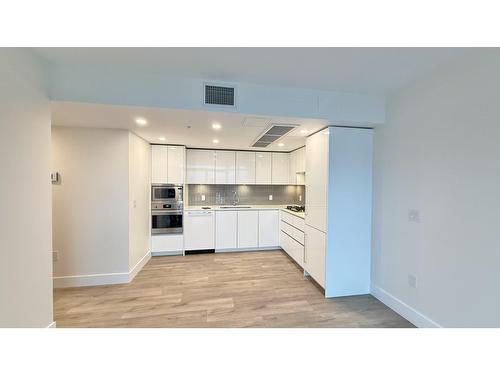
(275,132)
(219,95)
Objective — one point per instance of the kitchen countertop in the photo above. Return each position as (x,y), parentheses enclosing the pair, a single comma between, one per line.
(244,207)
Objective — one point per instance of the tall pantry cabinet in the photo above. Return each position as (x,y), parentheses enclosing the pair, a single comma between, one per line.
(338,210)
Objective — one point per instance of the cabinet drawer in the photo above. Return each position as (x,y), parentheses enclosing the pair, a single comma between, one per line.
(293,232)
(287,218)
(292,248)
(299,223)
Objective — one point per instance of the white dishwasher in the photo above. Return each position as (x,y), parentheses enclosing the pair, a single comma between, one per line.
(199,230)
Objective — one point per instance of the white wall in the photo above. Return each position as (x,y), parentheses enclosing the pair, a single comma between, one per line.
(90,205)
(25,198)
(439,152)
(139,199)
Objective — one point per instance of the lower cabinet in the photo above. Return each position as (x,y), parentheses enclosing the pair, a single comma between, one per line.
(292,248)
(165,244)
(314,254)
(269,228)
(226,230)
(248,229)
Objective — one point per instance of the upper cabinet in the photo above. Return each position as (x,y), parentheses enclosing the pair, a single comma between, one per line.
(176,164)
(297,166)
(280,168)
(245,167)
(167,164)
(200,166)
(225,162)
(300,166)
(293,168)
(263,168)
(159,164)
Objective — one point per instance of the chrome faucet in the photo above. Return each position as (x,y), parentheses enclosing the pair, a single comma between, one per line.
(236,198)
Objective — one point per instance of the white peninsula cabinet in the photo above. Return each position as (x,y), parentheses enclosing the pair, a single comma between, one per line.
(167,164)
(338,210)
(200,166)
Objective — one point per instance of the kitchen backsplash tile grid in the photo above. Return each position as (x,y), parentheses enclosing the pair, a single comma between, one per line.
(247,194)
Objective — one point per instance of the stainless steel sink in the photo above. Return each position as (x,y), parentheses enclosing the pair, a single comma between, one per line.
(235,207)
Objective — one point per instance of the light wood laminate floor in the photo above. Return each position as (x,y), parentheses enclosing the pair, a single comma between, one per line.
(247,289)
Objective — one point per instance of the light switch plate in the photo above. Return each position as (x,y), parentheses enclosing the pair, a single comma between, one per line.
(203,197)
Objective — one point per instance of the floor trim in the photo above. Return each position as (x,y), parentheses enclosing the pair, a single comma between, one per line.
(52,325)
(406,311)
(101,278)
(141,263)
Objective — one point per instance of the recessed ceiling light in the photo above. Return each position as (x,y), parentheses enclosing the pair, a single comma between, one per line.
(162,139)
(303,131)
(326,132)
(141,121)
(281,144)
(215,141)
(216,126)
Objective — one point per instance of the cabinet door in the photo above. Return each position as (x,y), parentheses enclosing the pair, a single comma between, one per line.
(248,229)
(176,164)
(199,230)
(317,153)
(245,167)
(301,160)
(263,175)
(159,164)
(280,168)
(314,254)
(200,166)
(293,168)
(269,228)
(226,229)
(225,167)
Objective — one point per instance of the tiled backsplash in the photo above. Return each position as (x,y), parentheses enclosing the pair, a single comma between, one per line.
(248,194)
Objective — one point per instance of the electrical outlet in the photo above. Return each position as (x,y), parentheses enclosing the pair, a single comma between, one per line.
(135,203)
(412,281)
(300,198)
(414,215)
(270,197)
(203,197)
(55,256)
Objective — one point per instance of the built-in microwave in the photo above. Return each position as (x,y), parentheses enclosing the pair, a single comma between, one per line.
(166,193)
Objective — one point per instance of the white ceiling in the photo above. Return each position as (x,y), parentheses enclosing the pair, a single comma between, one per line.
(173,125)
(361,70)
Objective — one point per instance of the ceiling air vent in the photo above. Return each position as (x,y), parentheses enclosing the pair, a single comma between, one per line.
(275,132)
(219,95)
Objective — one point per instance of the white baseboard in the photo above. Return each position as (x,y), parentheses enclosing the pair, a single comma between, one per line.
(101,278)
(247,249)
(135,270)
(52,325)
(406,311)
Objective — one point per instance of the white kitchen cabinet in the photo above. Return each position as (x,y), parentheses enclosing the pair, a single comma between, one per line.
(269,228)
(315,253)
(280,168)
(263,168)
(176,164)
(159,164)
(199,230)
(317,159)
(167,244)
(293,168)
(225,167)
(248,229)
(226,230)
(245,167)
(292,248)
(300,164)
(200,166)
